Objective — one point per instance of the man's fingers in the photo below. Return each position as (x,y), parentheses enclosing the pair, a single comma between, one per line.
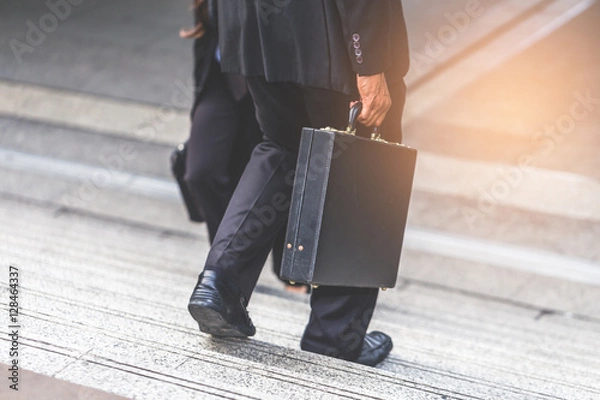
(368,116)
(380,113)
(374,112)
(376,99)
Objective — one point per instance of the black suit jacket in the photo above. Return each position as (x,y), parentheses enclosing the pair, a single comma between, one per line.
(204,56)
(318,43)
(205,62)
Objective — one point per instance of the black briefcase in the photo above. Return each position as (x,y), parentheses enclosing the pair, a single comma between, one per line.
(348,210)
(178,159)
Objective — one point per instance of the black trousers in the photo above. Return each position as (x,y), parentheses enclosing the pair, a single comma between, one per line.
(259,207)
(223,133)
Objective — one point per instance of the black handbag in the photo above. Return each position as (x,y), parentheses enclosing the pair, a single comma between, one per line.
(348,209)
(178,159)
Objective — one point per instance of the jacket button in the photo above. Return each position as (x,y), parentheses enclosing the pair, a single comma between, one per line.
(359,60)
(356,37)
(356,45)
(358,52)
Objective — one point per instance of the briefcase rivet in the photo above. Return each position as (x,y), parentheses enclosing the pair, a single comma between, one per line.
(383,289)
(300,247)
(289,245)
(315,286)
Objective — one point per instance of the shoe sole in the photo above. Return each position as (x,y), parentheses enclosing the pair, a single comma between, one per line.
(212,322)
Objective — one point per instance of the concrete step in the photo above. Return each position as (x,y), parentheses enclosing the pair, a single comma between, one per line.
(426,260)
(513,323)
(123,323)
(398,359)
(542,355)
(281,383)
(253,372)
(103,201)
(180,264)
(92,148)
(129,298)
(91,171)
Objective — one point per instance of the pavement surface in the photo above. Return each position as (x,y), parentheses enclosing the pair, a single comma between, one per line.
(499,289)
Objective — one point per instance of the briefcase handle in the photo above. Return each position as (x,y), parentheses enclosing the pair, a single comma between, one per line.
(353,116)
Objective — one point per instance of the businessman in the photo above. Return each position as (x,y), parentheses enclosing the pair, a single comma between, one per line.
(305,61)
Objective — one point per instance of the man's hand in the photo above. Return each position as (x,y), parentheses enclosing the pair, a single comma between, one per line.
(375,97)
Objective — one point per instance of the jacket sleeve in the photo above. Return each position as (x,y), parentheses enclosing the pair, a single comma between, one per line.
(366,32)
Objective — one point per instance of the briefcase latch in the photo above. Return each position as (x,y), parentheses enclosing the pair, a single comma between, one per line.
(376,136)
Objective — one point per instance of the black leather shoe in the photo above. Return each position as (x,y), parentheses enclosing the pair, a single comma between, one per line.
(219,306)
(376,347)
